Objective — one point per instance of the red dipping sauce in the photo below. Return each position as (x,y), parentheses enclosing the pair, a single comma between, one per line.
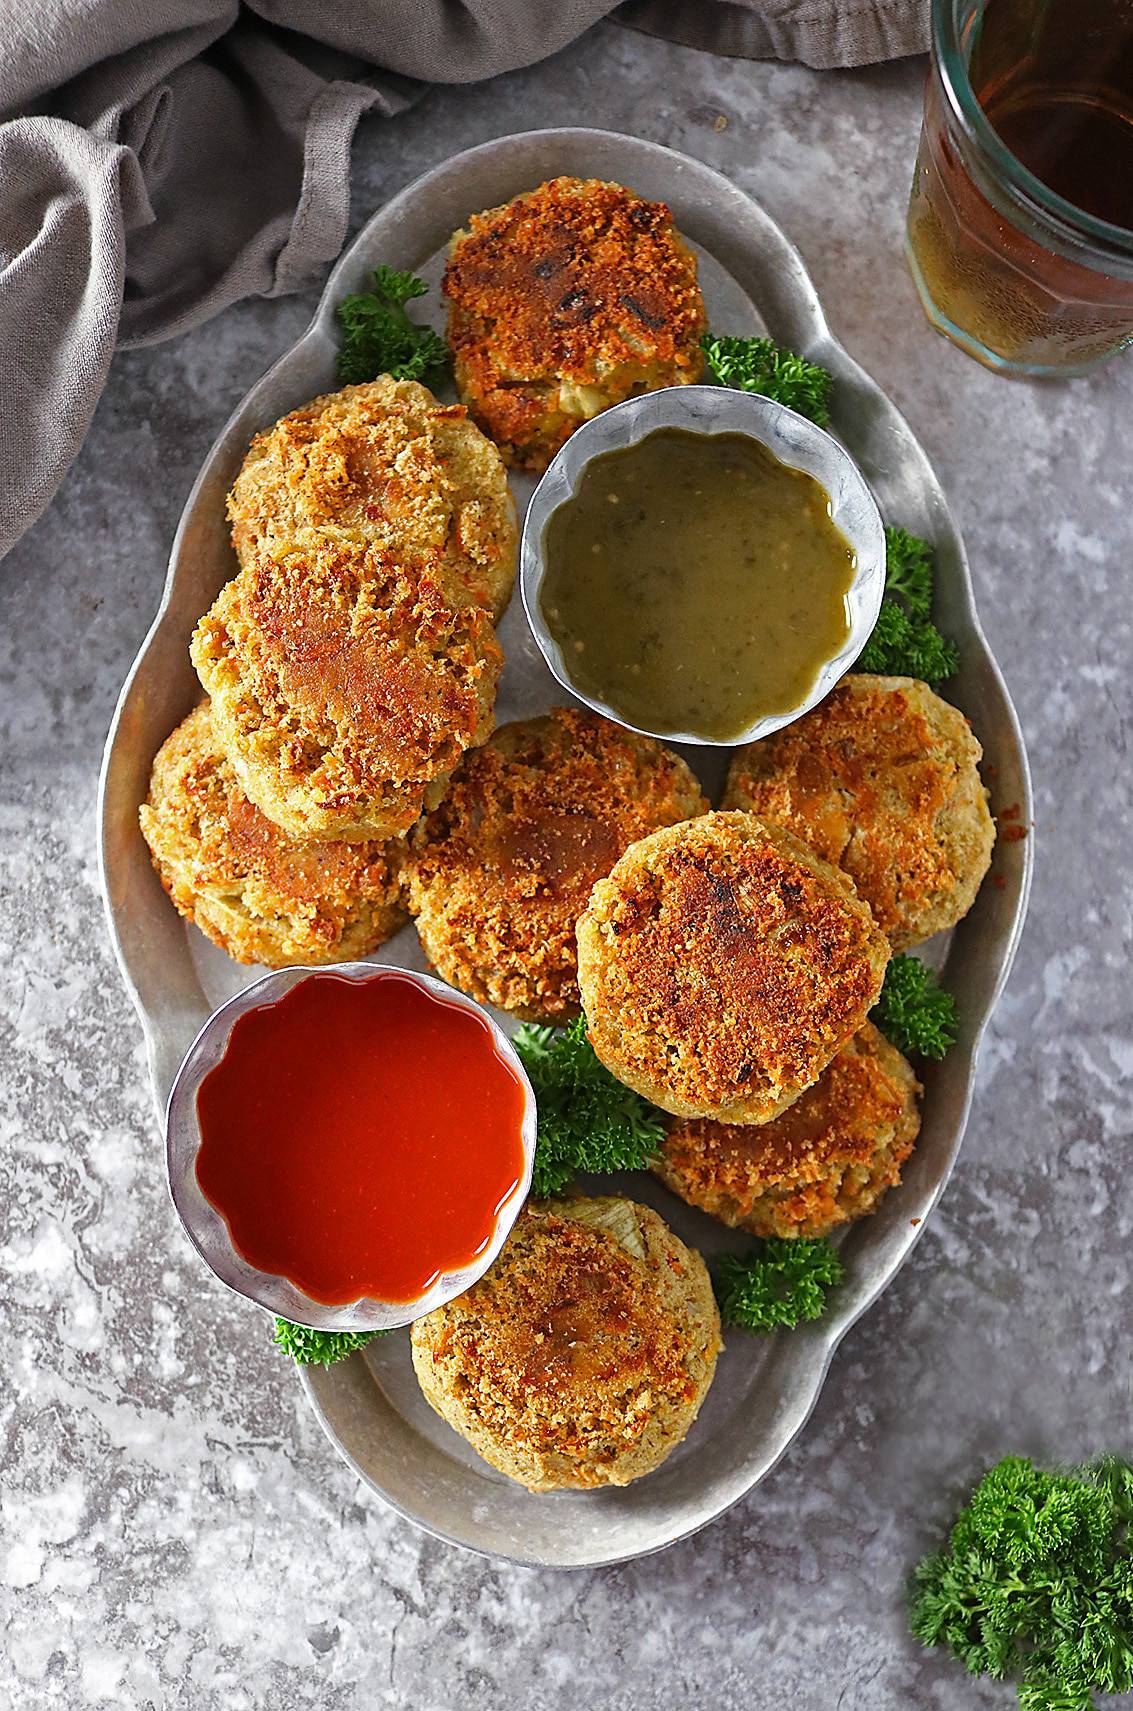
(360,1137)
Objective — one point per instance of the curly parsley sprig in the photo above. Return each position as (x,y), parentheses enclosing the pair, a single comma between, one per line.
(760,365)
(905,642)
(587,1119)
(902,647)
(909,571)
(378,336)
(778,1286)
(1036,1583)
(319,1348)
(914,1011)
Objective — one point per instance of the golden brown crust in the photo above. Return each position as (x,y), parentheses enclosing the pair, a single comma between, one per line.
(383,467)
(564,301)
(257,893)
(722,964)
(881,779)
(827,1159)
(582,1356)
(344,689)
(500,872)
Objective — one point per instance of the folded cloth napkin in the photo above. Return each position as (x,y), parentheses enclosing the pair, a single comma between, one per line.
(160,161)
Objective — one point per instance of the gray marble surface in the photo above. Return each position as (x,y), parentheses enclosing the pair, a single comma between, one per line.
(175,1530)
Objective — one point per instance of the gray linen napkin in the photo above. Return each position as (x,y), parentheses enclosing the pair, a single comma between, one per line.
(160,159)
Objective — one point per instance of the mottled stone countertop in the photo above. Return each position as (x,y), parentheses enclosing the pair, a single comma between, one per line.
(176,1531)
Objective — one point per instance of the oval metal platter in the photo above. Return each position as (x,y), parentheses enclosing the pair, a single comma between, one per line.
(369,1405)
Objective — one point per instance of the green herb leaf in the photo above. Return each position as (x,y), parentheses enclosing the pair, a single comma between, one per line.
(398,287)
(1036,1583)
(781,1284)
(909,571)
(905,642)
(319,1348)
(901,646)
(914,1011)
(760,365)
(587,1119)
(379,338)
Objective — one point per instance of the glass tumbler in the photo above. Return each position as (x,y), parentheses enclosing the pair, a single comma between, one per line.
(1006,267)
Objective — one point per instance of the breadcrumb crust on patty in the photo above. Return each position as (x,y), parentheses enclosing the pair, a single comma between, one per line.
(825,1160)
(344,689)
(500,871)
(722,964)
(582,1356)
(564,301)
(258,894)
(882,779)
(383,466)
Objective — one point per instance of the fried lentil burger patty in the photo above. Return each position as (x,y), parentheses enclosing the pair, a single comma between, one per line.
(722,964)
(344,692)
(501,870)
(383,466)
(582,1356)
(825,1160)
(257,893)
(882,779)
(564,301)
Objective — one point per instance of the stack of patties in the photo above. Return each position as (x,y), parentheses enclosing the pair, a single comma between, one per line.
(728,967)
(499,872)
(348,665)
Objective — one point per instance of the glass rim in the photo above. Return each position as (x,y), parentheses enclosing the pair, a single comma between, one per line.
(1074,223)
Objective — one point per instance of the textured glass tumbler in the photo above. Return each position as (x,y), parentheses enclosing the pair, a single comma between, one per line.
(1007,269)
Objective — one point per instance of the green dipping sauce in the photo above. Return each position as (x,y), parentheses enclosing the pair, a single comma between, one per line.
(695,583)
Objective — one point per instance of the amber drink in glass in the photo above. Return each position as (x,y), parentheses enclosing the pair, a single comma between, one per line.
(1020,232)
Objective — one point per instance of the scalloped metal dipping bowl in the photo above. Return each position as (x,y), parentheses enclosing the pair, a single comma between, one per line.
(206,1228)
(791,438)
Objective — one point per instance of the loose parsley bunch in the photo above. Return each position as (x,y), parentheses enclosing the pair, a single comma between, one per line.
(379,338)
(905,642)
(587,1119)
(318,1348)
(914,1011)
(760,365)
(779,1285)
(1036,1583)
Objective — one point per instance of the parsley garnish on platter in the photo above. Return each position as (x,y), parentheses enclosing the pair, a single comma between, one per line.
(318,1348)
(1036,1583)
(778,1286)
(909,571)
(760,365)
(587,1119)
(905,642)
(914,1011)
(902,647)
(378,336)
